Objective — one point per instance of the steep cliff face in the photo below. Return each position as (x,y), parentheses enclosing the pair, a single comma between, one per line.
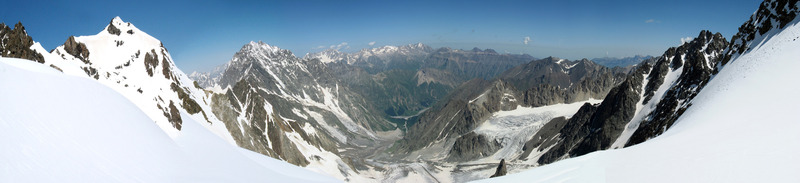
(16,43)
(697,69)
(648,94)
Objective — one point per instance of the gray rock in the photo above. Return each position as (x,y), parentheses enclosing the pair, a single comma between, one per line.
(694,77)
(472,146)
(501,169)
(78,50)
(113,29)
(16,43)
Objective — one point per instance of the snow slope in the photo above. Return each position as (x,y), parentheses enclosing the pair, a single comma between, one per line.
(60,128)
(742,127)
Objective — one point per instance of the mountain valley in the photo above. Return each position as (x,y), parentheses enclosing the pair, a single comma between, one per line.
(408,113)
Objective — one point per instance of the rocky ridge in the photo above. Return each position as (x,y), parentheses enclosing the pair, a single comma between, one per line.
(547,81)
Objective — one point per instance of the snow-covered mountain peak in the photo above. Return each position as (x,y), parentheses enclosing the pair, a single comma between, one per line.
(385,49)
(139,67)
(388,49)
(263,50)
(412,48)
(327,56)
(117,21)
(117,44)
(261,46)
(418,46)
(120,28)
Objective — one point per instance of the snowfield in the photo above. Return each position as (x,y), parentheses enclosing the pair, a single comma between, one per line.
(742,127)
(515,127)
(60,128)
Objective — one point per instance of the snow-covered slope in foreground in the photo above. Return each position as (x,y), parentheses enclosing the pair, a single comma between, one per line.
(743,127)
(60,128)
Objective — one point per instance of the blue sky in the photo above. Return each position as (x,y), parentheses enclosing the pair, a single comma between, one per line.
(203,34)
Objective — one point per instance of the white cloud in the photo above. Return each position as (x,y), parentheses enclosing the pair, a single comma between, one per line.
(686,39)
(649,21)
(340,46)
(526,40)
(320,47)
(371,43)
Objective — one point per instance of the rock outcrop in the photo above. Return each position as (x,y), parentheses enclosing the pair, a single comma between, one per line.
(472,146)
(501,169)
(17,44)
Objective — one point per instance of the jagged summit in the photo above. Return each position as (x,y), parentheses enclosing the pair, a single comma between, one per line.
(16,43)
(552,59)
(119,27)
(260,46)
(117,44)
(261,49)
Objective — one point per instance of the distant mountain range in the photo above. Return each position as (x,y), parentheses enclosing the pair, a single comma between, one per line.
(621,62)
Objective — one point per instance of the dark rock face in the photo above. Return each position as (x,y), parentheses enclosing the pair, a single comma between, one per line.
(173,115)
(598,127)
(16,43)
(150,62)
(545,136)
(187,102)
(165,67)
(91,72)
(610,118)
(501,169)
(76,49)
(472,146)
(780,11)
(571,134)
(112,29)
(694,76)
